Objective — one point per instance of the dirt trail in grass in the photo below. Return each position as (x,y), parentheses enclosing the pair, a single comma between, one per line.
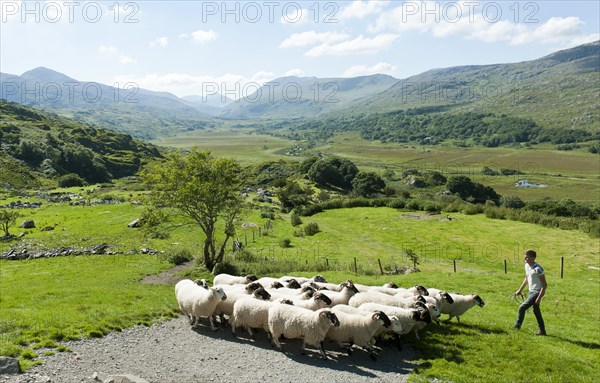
(169,276)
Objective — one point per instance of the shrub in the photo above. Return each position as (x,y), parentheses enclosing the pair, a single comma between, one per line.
(472,209)
(225,267)
(285,242)
(178,256)
(70,180)
(295,219)
(29,354)
(311,228)
(396,203)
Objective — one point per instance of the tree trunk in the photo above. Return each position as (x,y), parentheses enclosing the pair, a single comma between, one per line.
(208,259)
(222,250)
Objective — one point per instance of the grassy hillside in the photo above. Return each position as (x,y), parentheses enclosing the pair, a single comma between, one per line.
(48,146)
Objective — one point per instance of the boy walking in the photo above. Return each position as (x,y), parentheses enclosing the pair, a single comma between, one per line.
(535,278)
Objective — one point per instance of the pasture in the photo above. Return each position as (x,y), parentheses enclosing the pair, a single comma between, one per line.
(47,301)
(568,174)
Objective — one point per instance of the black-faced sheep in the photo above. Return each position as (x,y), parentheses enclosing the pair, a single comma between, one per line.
(461,304)
(296,322)
(227,279)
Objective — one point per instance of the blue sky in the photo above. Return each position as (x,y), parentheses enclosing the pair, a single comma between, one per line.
(185,47)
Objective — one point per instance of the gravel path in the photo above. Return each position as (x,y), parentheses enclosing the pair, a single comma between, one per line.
(173,352)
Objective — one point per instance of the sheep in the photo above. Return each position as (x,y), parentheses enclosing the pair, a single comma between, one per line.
(357,328)
(342,297)
(253,312)
(391,285)
(325,286)
(202,283)
(302,280)
(409,317)
(227,279)
(235,292)
(296,322)
(415,290)
(461,304)
(195,301)
(384,299)
(318,301)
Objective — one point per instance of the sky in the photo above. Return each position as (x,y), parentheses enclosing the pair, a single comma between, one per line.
(197,47)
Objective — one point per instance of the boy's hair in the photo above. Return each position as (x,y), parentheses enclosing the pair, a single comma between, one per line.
(530,253)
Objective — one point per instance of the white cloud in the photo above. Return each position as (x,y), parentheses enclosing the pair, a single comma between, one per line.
(312,38)
(363,70)
(295,72)
(231,85)
(359,45)
(160,42)
(359,9)
(202,37)
(459,20)
(107,49)
(126,60)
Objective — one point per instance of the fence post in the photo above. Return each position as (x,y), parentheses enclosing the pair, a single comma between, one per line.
(327,262)
(355,267)
(454,261)
(252,235)
(380,268)
(562,266)
(259,234)
(245,240)
(505,266)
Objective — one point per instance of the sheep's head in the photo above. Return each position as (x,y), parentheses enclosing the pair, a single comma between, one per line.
(201,283)
(396,324)
(422,290)
(219,292)
(284,301)
(293,284)
(478,300)
(308,290)
(261,293)
(420,298)
(252,286)
(319,278)
(447,297)
(276,285)
(331,317)
(323,298)
(434,311)
(350,286)
(424,315)
(381,316)
(251,278)
(391,285)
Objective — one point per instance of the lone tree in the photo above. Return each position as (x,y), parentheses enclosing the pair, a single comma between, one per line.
(7,219)
(367,184)
(202,188)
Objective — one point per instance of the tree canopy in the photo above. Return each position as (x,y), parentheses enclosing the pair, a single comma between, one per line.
(203,188)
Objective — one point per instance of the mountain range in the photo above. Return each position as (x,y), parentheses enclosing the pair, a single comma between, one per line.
(560,90)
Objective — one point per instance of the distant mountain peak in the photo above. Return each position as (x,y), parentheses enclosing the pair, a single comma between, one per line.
(46,75)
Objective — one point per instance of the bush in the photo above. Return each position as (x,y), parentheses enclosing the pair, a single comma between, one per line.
(29,354)
(285,242)
(473,209)
(311,228)
(70,180)
(295,219)
(225,267)
(178,256)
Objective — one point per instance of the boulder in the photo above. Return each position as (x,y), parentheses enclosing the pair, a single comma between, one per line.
(136,222)
(28,224)
(9,365)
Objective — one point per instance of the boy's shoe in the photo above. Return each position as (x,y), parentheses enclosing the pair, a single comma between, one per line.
(541,332)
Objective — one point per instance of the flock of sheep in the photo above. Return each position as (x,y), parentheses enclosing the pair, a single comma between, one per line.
(313,310)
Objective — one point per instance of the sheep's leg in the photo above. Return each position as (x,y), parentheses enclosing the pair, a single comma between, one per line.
(398,343)
(417,335)
(233,327)
(275,341)
(321,350)
(458,318)
(250,332)
(212,323)
(372,354)
(347,347)
(303,348)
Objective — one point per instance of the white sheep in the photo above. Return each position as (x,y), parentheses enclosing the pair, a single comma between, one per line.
(409,317)
(296,322)
(461,304)
(301,280)
(235,292)
(357,328)
(384,299)
(227,279)
(253,312)
(341,297)
(415,290)
(195,301)
(318,301)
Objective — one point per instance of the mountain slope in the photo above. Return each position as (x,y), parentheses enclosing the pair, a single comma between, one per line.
(290,97)
(560,90)
(139,112)
(47,144)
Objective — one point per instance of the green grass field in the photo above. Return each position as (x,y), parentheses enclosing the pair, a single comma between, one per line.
(46,301)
